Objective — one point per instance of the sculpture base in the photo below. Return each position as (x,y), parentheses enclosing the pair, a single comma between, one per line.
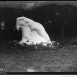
(51,44)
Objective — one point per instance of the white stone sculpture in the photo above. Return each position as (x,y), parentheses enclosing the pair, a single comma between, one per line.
(32,32)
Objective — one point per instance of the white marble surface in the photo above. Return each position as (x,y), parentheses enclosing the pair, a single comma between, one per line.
(32,32)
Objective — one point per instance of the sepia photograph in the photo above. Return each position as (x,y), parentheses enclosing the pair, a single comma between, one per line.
(38,37)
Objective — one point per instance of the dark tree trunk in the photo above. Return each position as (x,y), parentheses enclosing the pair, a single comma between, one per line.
(62,33)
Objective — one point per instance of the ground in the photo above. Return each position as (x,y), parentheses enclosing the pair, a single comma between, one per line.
(19,59)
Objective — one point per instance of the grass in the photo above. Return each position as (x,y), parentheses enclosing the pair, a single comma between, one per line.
(15,58)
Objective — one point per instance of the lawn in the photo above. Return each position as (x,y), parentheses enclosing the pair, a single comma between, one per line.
(14,58)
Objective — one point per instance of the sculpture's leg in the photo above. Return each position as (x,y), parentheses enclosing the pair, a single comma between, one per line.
(40,30)
(26,38)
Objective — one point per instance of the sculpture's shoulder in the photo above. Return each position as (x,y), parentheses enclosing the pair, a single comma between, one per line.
(36,24)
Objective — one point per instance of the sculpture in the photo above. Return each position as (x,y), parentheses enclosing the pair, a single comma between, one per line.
(32,32)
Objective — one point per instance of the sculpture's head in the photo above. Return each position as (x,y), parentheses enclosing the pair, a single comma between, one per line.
(22,22)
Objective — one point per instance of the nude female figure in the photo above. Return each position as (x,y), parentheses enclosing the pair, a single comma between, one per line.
(32,32)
